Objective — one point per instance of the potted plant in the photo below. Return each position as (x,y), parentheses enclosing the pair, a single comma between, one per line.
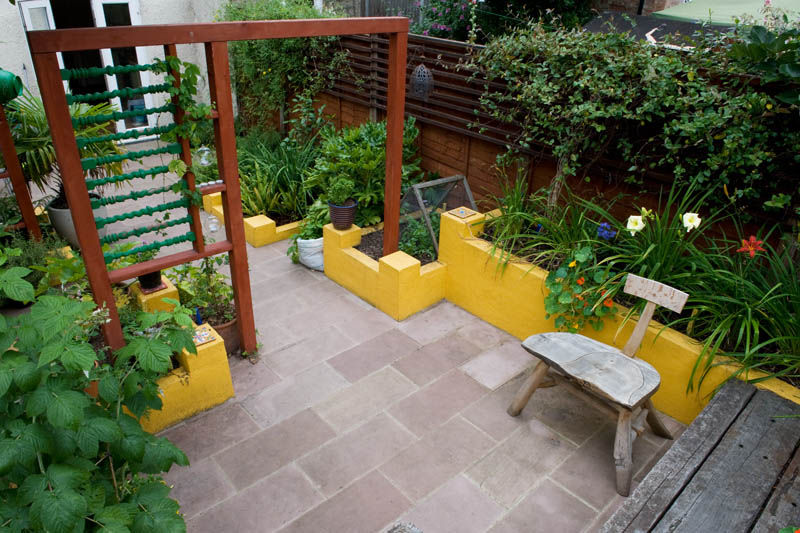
(340,202)
(150,282)
(206,290)
(37,156)
(306,246)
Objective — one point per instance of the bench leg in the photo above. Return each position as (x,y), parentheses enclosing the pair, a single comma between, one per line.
(528,388)
(655,422)
(623,453)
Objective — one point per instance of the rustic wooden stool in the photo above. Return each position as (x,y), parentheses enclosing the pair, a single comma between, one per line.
(621,384)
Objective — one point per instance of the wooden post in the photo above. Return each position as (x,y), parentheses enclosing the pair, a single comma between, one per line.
(186,157)
(395,111)
(69,164)
(14,170)
(225,136)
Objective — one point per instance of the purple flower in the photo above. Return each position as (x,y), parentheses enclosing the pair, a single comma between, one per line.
(425,32)
(461,17)
(605,231)
(446,11)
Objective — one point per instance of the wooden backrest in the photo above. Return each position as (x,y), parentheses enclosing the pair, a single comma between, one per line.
(656,294)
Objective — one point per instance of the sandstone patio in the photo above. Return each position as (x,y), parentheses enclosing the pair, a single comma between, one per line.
(350,421)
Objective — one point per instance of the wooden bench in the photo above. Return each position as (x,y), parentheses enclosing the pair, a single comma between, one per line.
(736,468)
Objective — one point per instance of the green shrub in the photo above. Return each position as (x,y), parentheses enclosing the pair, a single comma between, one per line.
(267,71)
(359,152)
(415,239)
(70,461)
(340,189)
(691,113)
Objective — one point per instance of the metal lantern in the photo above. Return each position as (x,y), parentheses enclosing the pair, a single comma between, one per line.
(421,82)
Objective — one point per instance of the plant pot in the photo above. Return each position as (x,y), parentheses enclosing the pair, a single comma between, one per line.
(342,216)
(61,219)
(310,253)
(151,282)
(230,336)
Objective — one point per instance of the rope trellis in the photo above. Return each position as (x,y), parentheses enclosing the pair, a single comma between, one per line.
(111,256)
(97,202)
(125,92)
(92,184)
(89,163)
(78,122)
(103,221)
(91,72)
(113,237)
(130,134)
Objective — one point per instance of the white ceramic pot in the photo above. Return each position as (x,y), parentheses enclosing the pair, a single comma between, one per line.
(61,219)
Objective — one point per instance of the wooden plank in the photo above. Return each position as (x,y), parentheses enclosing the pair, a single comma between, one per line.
(69,163)
(727,492)
(656,292)
(783,507)
(642,510)
(597,367)
(394,141)
(219,85)
(75,39)
(14,171)
(167,261)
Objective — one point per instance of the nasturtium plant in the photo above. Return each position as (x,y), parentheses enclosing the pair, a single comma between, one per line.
(575,297)
(72,455)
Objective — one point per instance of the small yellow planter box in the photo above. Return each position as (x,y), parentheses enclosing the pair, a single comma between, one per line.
(259,230)
(202,381)
(397,284)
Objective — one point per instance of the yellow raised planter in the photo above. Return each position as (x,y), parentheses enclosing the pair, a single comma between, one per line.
(202,381)
(397,284)
(259,230)
(512,298)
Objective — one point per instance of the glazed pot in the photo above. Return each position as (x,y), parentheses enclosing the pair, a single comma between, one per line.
(342,216)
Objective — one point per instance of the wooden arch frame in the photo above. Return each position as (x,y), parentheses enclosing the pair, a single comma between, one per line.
(44,47)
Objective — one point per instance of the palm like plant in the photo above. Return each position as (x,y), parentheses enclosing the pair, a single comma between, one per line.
(34,144)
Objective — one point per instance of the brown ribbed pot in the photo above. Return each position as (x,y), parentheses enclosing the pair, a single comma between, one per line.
(342,216)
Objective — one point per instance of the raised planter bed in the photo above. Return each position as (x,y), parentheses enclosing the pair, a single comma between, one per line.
(511,297)
(200,382)
(259,230)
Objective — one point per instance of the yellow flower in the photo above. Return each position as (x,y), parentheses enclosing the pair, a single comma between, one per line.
(571,265)
(769,106)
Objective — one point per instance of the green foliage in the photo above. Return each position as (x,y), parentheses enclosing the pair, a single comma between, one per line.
(9,211)
(186,94)
(205,287)
(690,113)
(268,71)
(359,152)
(340,189)
(575,297)
(775,55)
(31,133)
(415,239)
(452,19)
(30,254)
(72,462)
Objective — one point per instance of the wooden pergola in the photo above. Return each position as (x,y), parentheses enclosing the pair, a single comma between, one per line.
(44,46)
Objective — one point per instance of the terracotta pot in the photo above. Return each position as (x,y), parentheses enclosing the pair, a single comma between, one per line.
(342,216)
(230,335)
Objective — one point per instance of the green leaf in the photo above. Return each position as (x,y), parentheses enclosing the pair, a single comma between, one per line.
(50,353)
(108,387)
(60,510)
(63,476)
(27,376)
(8,454)
(6,378)
(565,297)
(33,487)
(13,284)
(65,409)
(160,454)
(599,276)
(122,513)
(36,402)
(78,356)
(561,272)
(153,355)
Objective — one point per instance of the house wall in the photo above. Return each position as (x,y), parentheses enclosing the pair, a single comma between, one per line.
(632,6)
(15,57)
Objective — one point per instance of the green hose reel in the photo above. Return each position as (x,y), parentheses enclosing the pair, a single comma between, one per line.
(10,86)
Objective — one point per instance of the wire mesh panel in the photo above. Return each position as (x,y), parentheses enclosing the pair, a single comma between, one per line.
(421,209)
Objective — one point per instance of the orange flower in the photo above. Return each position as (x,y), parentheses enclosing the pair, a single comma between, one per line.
(580,281)
(751,246)
(609,302)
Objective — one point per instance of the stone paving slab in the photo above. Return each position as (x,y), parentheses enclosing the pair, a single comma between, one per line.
(351,421)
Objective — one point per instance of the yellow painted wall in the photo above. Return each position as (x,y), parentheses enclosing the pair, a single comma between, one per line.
(512,298)
(397,284)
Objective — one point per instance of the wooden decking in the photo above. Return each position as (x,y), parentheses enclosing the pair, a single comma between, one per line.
(736,468)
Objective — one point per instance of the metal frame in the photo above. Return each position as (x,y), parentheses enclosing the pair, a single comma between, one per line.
(44,47)
(433,183)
